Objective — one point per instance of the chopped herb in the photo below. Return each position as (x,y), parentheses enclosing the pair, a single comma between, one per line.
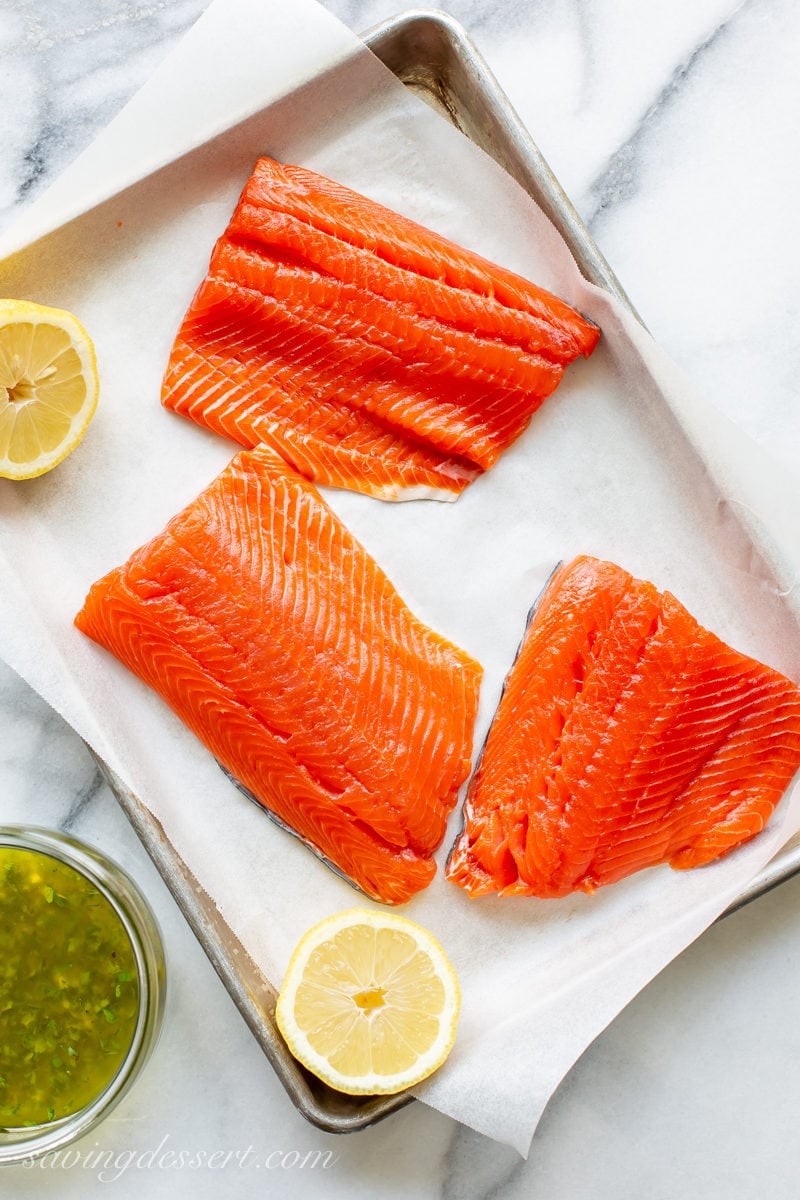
(64,954)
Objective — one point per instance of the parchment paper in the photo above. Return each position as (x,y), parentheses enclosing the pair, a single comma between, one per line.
(605,468)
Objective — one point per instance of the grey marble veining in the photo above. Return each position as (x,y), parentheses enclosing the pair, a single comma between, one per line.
(618,180)
(707,247)
(67,69)
(672,127)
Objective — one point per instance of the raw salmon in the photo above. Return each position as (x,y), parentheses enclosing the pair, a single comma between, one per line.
(367,351)
(627,735)
(281,644)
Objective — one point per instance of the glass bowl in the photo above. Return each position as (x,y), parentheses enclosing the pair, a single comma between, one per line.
(30,1141)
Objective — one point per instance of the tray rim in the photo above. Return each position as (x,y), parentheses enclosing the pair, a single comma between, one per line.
(507,140)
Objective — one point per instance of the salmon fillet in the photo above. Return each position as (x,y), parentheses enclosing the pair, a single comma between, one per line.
(276,638)
(627,735)
(367,351)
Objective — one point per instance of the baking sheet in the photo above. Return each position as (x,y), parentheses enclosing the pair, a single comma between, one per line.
(553,495)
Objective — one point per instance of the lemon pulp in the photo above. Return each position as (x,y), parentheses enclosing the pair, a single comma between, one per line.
(48,387)
(370,1002)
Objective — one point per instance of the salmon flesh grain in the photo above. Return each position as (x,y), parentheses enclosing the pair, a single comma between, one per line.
(276,638)
(365,350)
(627,735)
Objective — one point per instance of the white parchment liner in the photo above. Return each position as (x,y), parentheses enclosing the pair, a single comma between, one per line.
(605,468)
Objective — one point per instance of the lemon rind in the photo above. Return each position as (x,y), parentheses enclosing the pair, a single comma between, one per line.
(371,1083)
(27,311)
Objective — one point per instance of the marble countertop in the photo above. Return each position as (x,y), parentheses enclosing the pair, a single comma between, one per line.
(672,127)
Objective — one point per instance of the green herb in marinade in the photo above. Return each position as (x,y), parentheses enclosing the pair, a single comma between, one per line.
(69,989)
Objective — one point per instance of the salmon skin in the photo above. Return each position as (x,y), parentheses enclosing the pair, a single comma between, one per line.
(365,350)
(627,735)
(276,638)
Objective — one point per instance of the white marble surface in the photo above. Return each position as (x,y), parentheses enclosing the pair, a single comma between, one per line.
(672,126)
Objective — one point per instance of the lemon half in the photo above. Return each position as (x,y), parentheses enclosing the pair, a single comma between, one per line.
(48,387)
(369,1003)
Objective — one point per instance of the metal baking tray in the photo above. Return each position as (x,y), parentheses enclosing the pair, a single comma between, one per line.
(432,54)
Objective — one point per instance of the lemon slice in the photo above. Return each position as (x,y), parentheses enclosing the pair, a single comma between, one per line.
(48,387)
(370,1002)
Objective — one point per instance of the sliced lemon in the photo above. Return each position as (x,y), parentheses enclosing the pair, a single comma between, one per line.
(369,1003)
(48,387)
